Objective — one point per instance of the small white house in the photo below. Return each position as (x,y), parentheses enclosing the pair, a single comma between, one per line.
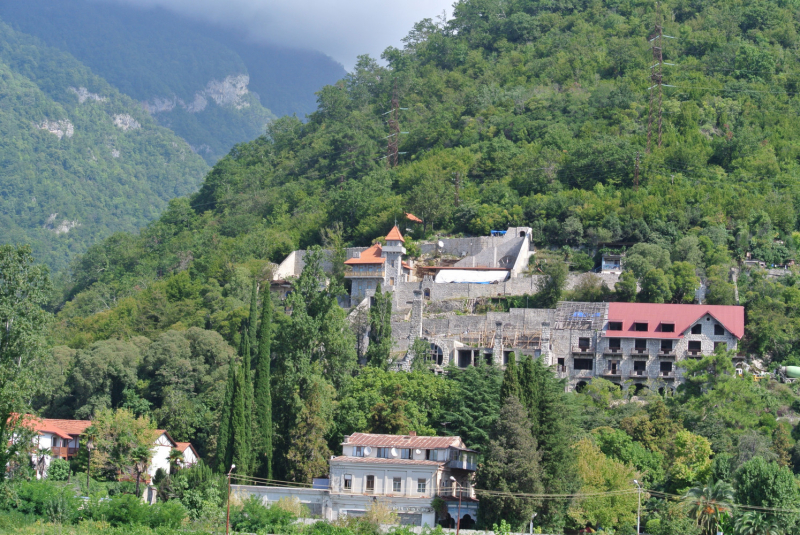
(162,446)
(190,456)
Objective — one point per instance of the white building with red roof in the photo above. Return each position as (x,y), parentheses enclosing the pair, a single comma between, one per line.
(379,264)
(403,471)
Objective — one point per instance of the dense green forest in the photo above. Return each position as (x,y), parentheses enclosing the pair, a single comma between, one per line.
(66,162)
(518,113)
(151,54)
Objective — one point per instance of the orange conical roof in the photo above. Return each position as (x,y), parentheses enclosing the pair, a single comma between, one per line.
(394,235)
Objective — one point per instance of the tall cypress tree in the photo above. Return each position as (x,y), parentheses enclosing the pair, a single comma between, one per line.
(224,449)
(380,330)
(240,445)
(252,323)
(247,395)
(510,385)
(262,390)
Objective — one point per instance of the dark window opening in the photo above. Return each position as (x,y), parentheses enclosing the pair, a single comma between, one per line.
(719,330)
(583,364)
(697,329)
(666,345)
(640,326)
(614,343)
(614,325)
(668,327)
(640,343)
(521,233)
(639,365)
(506,357)
(584,343)
(561,362)
(665,367)
(694,345)
(426,294)
(464,358)
(370,483)
(487,357)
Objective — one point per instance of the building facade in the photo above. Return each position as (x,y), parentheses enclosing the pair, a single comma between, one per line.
(403,471)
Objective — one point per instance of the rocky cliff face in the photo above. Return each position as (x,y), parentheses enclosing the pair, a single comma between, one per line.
(227,92)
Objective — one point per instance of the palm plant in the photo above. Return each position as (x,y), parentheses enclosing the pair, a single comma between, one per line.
(141,461)
(752,523)
(708,503)
(175,460)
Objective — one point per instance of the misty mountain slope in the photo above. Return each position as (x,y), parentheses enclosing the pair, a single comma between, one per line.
(206,84)
(79,160)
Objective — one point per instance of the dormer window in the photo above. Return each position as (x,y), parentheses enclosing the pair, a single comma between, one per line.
(358,451)
(667,327)
(614,325)
(640,326)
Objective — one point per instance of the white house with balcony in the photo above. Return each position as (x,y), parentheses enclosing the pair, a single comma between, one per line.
(404,471)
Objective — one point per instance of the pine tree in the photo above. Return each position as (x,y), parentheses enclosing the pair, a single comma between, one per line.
(511,464)
(309,453)
(240,445)
(510,385)
(224,449)
(262,390)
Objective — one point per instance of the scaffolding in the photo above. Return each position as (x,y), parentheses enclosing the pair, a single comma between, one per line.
(580,316)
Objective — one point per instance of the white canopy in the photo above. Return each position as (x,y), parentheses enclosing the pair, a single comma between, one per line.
(477,276)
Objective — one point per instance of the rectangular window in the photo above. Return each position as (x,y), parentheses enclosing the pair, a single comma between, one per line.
(640,326)
(583,364)
(614,325)
(384,453)
(666,345)
(723,345)
(348,482)
(405,453)
(697,329)
(584,343)
(694,345)
(668,327)
(370,484)
(391,281)
(359,451)
(640,343)
(665,367)
(719,330)
(397,485)
(614,343)
(639,366)
(422,486)
(428,455)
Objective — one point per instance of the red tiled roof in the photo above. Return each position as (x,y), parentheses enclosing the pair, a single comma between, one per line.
(375,460)
(406,265)
(394,235)
(682,316)
(72,427)
(370,256)
(158,432)
(402,441)
(182,446)
(41,426)
(413,218)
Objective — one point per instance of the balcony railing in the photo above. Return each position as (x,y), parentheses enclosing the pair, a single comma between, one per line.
(612,351)
(366,273)
(668,353)
(613,372)
(640,351)
(462,465)
(582,349)
(666,374)
(638,373)
(582,373)
(63,452)
(694,352)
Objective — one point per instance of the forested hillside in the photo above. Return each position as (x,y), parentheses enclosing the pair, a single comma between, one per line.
(80,160)
(517,113)
(179,68)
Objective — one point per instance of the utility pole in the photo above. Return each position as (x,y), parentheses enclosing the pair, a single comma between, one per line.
(656,77)
(393,144)
(639,509)
(228,518)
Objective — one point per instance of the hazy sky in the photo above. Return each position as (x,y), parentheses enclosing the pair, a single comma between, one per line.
(343,29)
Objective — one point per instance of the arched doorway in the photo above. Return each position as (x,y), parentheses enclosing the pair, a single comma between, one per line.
(435,355)
(581,386)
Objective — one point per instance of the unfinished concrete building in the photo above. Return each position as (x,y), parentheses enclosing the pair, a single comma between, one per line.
(631,344)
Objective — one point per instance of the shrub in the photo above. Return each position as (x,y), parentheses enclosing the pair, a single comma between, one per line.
(167,514)
(254,516)
(292,505)
(58,470)
(119,510)
(47,499)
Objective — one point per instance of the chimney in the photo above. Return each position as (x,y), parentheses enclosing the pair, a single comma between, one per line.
(412,433)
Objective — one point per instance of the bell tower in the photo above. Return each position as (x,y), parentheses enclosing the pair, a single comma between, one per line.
(393,252)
